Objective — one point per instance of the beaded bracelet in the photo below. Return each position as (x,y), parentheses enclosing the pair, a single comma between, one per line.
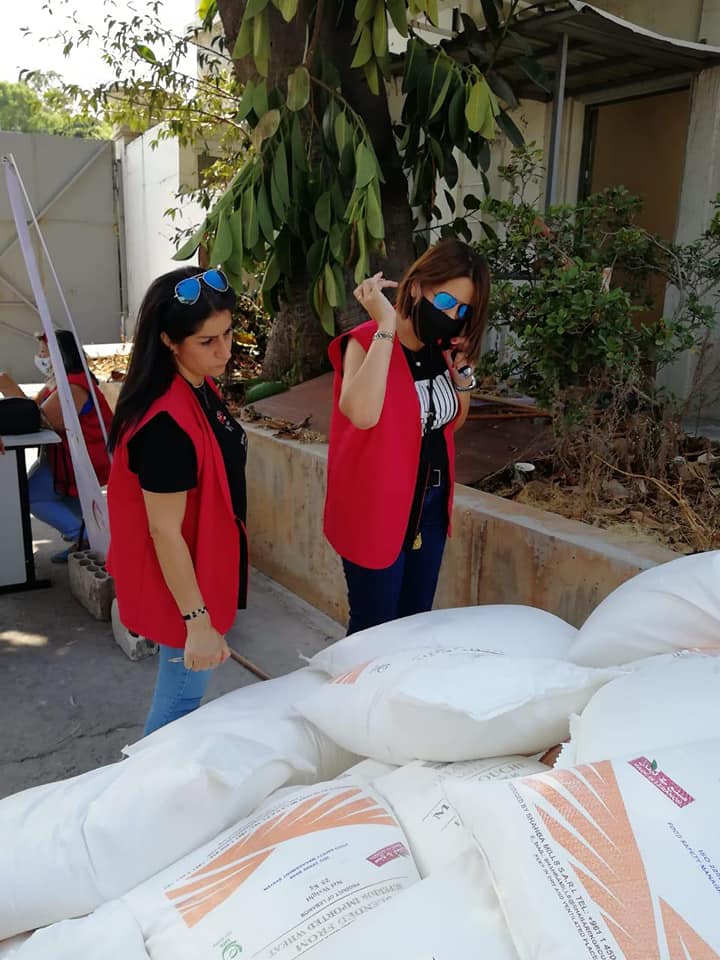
(383,335)
(194,614)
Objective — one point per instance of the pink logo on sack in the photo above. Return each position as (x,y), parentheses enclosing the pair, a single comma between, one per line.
(386,854)
(672,790)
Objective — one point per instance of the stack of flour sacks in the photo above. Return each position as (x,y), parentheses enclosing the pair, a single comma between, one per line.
(388,801)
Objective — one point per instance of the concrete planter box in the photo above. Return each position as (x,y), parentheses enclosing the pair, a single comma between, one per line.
(500,552)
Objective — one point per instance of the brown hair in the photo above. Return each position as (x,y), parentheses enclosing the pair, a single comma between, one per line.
(446,260)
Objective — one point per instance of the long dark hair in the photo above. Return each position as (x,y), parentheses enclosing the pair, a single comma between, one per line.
(446,260)
(152,367)
(69,351)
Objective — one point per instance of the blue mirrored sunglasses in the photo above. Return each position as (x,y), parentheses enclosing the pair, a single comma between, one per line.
(446,301)
(188,290)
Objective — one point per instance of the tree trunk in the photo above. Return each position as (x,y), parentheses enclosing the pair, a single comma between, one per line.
(297,344)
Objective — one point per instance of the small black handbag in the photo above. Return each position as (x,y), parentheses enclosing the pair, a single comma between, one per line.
(19,415)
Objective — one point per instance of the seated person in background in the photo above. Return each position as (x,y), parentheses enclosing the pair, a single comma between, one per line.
(51,482)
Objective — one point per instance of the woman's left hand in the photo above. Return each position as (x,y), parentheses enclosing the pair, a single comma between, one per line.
(459,365)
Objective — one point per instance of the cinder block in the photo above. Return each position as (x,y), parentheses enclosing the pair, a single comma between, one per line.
(132,645)
(91,584)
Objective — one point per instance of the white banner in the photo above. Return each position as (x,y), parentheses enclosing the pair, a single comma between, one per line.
(93,503)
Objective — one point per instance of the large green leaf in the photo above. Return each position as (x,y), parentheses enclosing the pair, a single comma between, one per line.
(249,219)
(373,213)
(287,8)
(261,42)
(272,274)
(266,128)
(145,53)
(298,89)
(331,291)
(315,257)
(238,253)
(364,49)
(297,146)
(244,42)
(339,284)
(343,131)
(398,13)
(432,12)
(380,31)
(323,211)
(246,101)
(500,86)
(507,125)
(440,99)
(260,99)
(191,245)
(254,7)
(364,10)
(280,175)
(365,166)
(336,241)
(457,124)
(322,308)
(222,245)
(534,71)
(372,76)
(264,214)
(477,106)
(362,267)
(490,12)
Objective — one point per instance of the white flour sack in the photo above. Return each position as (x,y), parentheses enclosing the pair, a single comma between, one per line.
(453,915)
(617,860)
(670,607)
(417,796)
(451,704)
(10,947)
(513,629)
(280,883)
(67,847)
(263,712)
(110,933)
(664,702)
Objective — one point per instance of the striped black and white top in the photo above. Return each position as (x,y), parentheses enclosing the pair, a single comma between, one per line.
(437,398)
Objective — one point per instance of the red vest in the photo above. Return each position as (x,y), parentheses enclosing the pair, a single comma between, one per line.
(209,528)
(372,473)
(59,453)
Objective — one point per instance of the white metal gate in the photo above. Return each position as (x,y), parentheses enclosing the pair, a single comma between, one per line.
(71,183)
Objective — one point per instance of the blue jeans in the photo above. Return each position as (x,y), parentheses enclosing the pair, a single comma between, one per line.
(58,511)
(177,690)
(408,585)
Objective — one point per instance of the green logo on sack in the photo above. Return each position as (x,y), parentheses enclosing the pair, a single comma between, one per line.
(231,950)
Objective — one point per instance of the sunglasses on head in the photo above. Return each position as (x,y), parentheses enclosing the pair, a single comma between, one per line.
(188,291)
(446,301)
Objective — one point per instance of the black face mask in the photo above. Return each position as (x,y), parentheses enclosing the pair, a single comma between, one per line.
(435,327)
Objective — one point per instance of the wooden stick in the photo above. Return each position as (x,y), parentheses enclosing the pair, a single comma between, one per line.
(509,416)
(249,665)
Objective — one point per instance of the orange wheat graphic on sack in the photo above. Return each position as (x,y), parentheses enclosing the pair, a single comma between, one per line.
(351,676)
(611,867)
(683,942)
(212,884)
(609,864)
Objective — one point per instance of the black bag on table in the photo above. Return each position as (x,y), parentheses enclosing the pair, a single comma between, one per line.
(19,415)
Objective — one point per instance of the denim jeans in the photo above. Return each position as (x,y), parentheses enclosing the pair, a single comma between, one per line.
(177,690)
(408,585)
(58,511)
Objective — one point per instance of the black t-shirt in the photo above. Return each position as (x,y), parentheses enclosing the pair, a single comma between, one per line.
(163,457)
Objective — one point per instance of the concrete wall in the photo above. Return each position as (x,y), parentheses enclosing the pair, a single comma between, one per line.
(153,172)
(80,229)
(501,552)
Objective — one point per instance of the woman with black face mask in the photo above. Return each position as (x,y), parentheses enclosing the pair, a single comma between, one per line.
(402,388)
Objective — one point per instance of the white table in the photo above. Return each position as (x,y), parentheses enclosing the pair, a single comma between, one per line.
(17,562)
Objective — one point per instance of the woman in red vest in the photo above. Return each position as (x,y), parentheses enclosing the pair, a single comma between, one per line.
(51,483)
(402,388)
(176,497)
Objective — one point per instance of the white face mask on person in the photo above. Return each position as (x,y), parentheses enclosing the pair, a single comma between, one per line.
(43,364)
